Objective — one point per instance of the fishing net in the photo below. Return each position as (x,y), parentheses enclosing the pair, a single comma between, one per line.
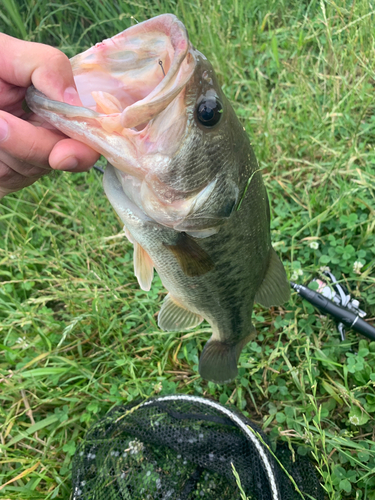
(185,448)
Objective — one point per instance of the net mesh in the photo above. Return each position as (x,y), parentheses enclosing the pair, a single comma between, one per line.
(183,448)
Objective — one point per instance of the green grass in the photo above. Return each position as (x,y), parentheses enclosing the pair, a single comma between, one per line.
(77,336)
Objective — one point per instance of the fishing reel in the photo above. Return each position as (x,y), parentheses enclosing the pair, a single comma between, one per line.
(339,295)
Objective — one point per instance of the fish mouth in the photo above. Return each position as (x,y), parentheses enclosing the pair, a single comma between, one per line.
(135,111)
(125,83)
(143,68)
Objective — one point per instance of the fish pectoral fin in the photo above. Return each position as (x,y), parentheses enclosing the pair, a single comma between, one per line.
(175,317)
(194,261)
(218,362)
(129,236)
(275,288)
(143,267)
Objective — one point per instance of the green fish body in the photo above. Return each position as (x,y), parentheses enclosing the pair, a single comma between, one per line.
(184,180)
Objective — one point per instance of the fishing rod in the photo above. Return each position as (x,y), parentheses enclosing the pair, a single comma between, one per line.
(99,169)
(333,299)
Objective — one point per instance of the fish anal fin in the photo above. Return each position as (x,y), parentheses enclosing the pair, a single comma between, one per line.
(175,317)
(275,288)
(194,261)
(143,267)
(218,362)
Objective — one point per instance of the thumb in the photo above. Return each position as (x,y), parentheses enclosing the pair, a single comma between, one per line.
(48,69)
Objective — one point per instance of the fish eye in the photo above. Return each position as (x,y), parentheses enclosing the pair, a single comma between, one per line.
(209,111)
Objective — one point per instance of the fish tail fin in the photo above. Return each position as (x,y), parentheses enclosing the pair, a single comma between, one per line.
(218,362)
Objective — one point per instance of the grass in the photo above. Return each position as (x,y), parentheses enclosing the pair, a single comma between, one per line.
(77,334)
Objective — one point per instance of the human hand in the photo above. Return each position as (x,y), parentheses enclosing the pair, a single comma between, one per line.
(29,147)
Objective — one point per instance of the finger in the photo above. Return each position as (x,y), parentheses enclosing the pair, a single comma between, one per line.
(43,148)
(72,156)
(25,63)
(19,167)
(11,97)
(26,142)
(11,181)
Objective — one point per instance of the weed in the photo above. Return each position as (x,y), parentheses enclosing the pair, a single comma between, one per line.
(78,336)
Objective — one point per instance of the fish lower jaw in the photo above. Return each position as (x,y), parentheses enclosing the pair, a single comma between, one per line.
(178,214)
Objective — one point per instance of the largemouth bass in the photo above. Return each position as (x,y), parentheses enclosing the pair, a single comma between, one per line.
(183,178)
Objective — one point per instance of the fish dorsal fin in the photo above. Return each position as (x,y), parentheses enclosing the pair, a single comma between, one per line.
(218,362)
(194,261)
(175,317)
(275,289)
(143,267)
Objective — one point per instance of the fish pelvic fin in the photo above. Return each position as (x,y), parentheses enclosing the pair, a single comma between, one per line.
(218,362)
(143,267)
(173,316)
(275,288)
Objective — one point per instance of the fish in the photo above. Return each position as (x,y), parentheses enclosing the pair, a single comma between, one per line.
(182,177)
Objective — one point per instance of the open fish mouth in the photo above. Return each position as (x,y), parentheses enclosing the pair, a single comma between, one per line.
(125,83)
(141,92)
(140,71)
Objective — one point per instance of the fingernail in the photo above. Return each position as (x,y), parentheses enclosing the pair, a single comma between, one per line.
(4,130)
(71,97)
(69,163)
